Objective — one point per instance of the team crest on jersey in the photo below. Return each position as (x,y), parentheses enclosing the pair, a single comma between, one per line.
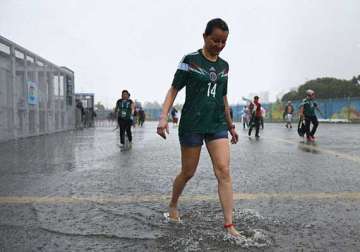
(212,74)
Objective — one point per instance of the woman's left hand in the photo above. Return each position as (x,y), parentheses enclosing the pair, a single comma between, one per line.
(234,136)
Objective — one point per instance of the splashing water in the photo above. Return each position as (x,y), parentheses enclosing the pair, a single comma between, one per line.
(202,230)
(250,238)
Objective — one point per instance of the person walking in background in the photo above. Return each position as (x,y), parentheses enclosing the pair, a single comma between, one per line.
(124,109)
(174,116)
(245,117)
(307,113)
(142,117)
(255,109)
(288,114)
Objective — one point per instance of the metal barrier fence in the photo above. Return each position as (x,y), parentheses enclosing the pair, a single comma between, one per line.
(36,96)
(346,109)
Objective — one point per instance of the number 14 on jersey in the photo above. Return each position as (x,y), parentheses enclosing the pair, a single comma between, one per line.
(211,91)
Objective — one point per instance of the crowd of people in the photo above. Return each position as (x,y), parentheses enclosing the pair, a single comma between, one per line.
(253,114)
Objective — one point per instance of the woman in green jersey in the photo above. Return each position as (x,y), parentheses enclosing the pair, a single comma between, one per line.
(124,109)
(205,117)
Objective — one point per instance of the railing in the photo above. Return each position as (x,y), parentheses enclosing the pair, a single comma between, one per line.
(332,110)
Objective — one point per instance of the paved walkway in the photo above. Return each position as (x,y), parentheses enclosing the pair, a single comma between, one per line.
(76,191)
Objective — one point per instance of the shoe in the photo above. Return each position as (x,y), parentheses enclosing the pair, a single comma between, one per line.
(257,136)
(171,220)
(310,139)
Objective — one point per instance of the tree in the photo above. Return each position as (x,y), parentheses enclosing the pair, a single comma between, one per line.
(99,107)
(326,88)
(354,80)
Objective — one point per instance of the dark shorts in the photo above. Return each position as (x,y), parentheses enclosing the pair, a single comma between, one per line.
(197,139)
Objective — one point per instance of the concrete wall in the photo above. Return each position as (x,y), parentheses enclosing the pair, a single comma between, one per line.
(36,96)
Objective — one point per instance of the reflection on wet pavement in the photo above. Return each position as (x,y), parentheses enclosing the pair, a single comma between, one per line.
(283,205)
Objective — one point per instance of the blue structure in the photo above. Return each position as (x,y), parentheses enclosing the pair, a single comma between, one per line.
(346,108)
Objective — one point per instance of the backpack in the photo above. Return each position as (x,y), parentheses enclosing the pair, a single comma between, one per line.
(301,128)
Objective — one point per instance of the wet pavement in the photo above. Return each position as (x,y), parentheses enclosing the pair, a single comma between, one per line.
(75,191)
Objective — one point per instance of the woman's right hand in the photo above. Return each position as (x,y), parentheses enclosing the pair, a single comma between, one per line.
(163,127)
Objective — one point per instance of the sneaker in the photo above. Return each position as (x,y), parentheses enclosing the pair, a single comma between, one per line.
(257,136)
(310,139)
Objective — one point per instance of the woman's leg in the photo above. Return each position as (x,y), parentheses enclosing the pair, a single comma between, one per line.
(250,126)
(307,126)
(189,161)
(315,123)
(219,151)
(128,131)
(257,125)
(122,131)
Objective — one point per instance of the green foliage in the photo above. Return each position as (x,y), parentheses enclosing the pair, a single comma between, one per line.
(277,110)
(326,88)
(99,107)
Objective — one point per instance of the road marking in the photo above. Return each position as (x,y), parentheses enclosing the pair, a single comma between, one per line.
(316,148)
(185,198)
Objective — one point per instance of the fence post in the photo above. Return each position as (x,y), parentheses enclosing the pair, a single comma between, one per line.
(349,107)
(14,92)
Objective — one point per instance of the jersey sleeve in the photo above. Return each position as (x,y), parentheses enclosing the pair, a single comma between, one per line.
(302,104)
(226,80)
(181,76)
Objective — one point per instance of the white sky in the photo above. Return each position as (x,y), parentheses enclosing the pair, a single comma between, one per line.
(112,45)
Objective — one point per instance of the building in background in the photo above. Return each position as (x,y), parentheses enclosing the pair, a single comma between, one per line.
(85,110)
(36,96)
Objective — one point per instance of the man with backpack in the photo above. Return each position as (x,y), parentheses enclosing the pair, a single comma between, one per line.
(307,113)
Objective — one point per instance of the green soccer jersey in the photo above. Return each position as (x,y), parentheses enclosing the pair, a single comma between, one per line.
(206,86)
(123,108)
(309,107)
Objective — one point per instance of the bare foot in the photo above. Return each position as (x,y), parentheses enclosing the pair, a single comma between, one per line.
(232,231)
(174,214)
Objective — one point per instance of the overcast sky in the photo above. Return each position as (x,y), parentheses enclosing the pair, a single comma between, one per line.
(112,45)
